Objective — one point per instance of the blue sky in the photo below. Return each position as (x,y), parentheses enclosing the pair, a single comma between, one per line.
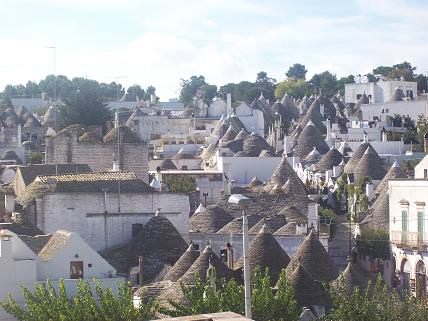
(159,42)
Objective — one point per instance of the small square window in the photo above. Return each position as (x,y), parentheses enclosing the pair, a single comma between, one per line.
(89,265)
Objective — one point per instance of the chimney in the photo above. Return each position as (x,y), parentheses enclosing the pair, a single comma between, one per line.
(313,216)
(5,244)
(229,255)
(322,110)
(116,167)
(337,170)
(19,135)
(140,270)
(384,135)
(370,191)
(287,144)
(229,104)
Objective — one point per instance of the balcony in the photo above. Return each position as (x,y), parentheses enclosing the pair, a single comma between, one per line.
(413,240)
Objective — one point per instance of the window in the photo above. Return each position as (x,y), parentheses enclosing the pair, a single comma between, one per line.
(184,167)
(387,110)
(223,255)
(420,225)
(196,246)
(425,173)
(136,229)
(359,96)
(76,270)
(404,225)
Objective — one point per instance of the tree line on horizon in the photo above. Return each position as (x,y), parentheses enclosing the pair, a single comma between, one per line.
(295,85)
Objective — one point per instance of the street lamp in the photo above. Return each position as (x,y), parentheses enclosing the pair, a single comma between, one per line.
(243,203)
(205,195)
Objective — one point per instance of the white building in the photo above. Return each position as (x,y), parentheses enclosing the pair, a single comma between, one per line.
(408,225)
(382,110)
(380,91)
(26,260)
(105,208)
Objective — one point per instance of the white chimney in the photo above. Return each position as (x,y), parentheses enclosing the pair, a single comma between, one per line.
(287,144)
(337,170)
(5,244)
(229,104)
(322,109)
(116,167)
(328,175)
(19,135)
(313,216)
(370,191)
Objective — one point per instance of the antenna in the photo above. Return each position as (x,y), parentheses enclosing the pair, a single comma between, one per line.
(53,65)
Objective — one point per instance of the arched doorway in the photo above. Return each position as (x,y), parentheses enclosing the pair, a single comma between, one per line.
(420,279)
(405,275)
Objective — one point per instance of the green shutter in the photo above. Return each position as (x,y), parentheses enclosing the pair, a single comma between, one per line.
(404,225)
(420,225)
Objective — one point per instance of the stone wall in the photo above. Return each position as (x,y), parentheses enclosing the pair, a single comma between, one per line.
(99,156)
(84,213)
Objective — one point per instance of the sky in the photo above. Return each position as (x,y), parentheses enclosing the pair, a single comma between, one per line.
(159,42)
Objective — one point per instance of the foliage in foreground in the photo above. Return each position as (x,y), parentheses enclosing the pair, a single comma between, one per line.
(376,303)
(48,303)
(374,243)
(229,296)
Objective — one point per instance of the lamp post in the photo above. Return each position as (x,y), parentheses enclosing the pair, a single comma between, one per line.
(243,203)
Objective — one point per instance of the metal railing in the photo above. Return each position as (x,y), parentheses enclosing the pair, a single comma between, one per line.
(411,239)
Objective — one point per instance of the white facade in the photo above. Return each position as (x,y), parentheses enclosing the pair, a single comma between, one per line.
(20,266)
(244,169)
(408,228)
(380,91)
(381,111)
(103,220)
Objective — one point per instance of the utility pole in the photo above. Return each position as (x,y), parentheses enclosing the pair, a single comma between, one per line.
(54,66)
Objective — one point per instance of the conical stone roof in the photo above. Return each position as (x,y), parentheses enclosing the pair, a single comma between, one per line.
(306,290)
(242,134)
(210,221)
(397,95)
(309,138)
(370,165)
(332,158)
(313,157)
(229,135)
(317,119)
(235,226)
(350,278)
(167,164)
(183,264)
(200,267)
(394,172)
(287,229)
(283,172)
(355,158)
(378,214)
(293,214)
(313,257)
(271,222)
(265,252)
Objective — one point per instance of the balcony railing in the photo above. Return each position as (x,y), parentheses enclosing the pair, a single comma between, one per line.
(410,239)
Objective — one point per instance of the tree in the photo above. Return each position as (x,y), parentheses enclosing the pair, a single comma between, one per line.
(57,86)
(47,303)
(375,303)
(326,81)
(135,92)
(10,91)
(32,89)
(6,102)
(340,86)
(149,92)
(84,107)
(294,88)
(229,296)
(382,70)
(422,83)
(374,243)
(189,87)
(180,183)
(422,127)
(296,72)
(405,70)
